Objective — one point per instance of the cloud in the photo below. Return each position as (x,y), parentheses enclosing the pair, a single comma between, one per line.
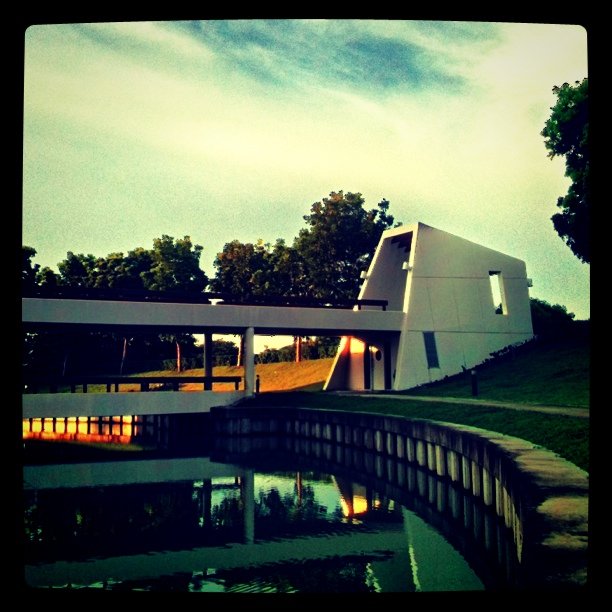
(231,129)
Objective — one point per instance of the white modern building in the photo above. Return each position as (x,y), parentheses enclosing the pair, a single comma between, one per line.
(431,305)
(460,301)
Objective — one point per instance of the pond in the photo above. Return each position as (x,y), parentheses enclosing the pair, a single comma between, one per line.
(163,507)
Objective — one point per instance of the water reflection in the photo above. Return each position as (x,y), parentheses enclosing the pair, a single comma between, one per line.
(274,516)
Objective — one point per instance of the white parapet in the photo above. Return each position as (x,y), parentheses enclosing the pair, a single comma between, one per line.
(59,405)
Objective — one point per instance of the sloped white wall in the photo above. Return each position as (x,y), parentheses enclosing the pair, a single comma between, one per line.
(446,290)
(450,295)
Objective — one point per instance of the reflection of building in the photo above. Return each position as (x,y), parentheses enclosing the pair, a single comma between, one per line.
(107,501)
(354,498)
(461,303)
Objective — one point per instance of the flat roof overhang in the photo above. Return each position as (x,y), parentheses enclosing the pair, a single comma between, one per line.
(98,315)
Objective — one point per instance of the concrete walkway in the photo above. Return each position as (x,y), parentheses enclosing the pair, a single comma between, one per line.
(582,413)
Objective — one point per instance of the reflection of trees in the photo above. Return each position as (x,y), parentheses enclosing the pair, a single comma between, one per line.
(275,513)
(229,513)
(72,523)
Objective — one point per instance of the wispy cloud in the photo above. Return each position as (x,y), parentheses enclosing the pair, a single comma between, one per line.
(213,128)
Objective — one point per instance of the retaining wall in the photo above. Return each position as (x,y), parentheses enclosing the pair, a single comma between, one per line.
(541,498)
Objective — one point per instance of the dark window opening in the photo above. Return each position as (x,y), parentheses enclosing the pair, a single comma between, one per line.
(431,350)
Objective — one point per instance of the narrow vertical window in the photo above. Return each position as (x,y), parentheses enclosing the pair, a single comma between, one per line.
(497,292)
(430,350)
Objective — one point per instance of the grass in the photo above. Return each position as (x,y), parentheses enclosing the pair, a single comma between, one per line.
(555,374)
(549,375)
(285,376)
(566,436)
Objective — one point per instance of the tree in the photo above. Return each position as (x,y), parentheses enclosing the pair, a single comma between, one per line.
(225,352)
(243,270)
(28,271)
(77,270)
(175,265)
(339,243)
(566,133)
(550,322)
(169,265)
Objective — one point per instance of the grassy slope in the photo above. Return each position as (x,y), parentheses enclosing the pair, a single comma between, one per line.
(553,375)
(567,436)
(545,375)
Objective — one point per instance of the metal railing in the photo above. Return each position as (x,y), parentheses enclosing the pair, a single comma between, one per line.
(113,383)
(140,295)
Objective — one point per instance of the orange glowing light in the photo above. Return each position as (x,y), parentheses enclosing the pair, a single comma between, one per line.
(117,430)
(356,346)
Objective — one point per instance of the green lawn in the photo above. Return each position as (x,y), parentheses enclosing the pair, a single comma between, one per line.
(539,374)
(549,375)
(567,436)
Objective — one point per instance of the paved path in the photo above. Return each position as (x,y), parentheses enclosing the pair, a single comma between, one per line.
(564,410)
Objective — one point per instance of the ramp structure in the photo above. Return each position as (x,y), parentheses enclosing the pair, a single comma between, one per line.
(460,301)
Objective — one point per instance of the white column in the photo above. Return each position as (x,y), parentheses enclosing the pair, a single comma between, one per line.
(249,361)
(248,500)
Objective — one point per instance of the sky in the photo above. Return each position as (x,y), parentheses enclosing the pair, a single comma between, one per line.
(232,129)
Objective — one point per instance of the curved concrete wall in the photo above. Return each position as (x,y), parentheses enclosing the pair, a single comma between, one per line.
(541,499)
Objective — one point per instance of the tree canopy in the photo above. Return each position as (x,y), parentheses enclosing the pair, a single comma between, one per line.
(172,264)
(339,242)
(169,265)
(566,134)
(325,260)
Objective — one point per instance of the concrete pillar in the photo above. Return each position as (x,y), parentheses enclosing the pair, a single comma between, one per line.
(390,470)
(410,450)
(488,487)
(452,461)
(401,474)
(207,502)
(441,500)
(249,361)
(378,441)
(421,483)
(390,443)
(248,500)
(476,479)
(421,453)
(440,460)
(208,359)
(431,456)
(400,447)
(466,473)
(454,502)
(411,478)
(499,498)
(379,466)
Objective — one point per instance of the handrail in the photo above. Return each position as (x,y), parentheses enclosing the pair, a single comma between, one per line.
(141,295)
(33,385)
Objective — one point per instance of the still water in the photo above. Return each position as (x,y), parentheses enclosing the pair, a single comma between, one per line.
(162,516)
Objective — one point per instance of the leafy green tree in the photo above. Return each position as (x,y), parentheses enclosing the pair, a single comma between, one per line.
(339,243)
(550,321)
(243,270)
(169,265)
(28,270)
(175,265)
(566,133)
(225,352)
(46,277)
(77,270)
